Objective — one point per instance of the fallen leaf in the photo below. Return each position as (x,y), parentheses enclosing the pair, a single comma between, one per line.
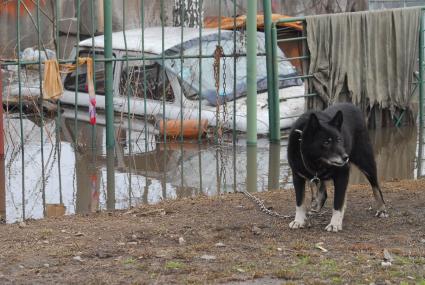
(319,246)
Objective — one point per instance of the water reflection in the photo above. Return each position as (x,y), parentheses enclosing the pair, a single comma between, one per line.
(146,170)
(395,154)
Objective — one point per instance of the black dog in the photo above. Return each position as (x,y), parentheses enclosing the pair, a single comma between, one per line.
(321,147)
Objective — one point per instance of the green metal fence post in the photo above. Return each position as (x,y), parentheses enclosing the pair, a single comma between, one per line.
(275,120)
(252,72)
(421,71)
(267,8)
(421,93)
(109,102)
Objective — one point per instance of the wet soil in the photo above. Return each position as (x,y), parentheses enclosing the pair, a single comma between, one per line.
(224,239)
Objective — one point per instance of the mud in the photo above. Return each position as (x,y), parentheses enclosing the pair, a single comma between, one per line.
(223,239)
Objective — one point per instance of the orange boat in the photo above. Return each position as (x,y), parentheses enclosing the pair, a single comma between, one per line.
(191,128)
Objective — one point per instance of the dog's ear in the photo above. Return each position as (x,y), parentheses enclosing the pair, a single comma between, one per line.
(312,126)
(337,120)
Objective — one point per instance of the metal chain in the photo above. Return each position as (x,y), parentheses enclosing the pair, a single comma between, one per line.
(223,164)
(224,89)
(218,53)
(263,208)
(224,157)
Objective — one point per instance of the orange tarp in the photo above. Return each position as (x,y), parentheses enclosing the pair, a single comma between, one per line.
(227,23)
(9,6)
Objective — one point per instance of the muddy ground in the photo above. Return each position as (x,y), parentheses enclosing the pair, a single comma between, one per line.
(223,239)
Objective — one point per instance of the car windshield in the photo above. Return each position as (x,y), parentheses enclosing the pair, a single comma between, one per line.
(189,69)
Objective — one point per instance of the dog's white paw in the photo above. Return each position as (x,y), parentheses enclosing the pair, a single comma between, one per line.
(297,224)
(334,227)
(381,214)
(336,221)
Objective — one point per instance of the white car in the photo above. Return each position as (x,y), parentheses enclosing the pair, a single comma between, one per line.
(181,80)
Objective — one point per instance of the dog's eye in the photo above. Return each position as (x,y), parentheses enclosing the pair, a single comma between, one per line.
(327,142)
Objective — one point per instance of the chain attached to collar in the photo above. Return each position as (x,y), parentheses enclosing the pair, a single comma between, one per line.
(315,179)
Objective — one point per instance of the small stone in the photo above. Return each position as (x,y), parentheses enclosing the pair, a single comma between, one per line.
(103,255)
(256,230)
(134,237)
(161,254)
(63,231)
(79,234)
(387,256)
(208,257)
(386,264)
(78,258)
(22,225)
(21,266)
(279,249)
(220,244)
(411,277)
(423,240)
(46,265)
(240,270)
(45,241)
(182,241)
(121,243)
(99,238)
(132,243)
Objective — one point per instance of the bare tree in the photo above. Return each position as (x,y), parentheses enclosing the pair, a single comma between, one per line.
(189,9)
(357,5)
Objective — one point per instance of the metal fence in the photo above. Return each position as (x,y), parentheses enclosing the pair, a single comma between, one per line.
(152,84)
(185,83)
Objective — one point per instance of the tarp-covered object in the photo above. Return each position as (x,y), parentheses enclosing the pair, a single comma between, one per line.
(371,54)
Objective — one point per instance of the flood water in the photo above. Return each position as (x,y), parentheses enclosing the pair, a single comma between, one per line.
(148,171)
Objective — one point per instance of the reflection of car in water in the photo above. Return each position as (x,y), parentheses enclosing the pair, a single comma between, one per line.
(182,82)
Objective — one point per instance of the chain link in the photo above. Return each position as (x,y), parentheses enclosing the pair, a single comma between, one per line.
(218,54)
(224,90)
(263,208)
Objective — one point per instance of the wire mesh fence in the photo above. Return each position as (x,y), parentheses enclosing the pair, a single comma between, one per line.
(172,83)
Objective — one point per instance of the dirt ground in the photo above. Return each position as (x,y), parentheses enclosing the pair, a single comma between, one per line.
(223,239)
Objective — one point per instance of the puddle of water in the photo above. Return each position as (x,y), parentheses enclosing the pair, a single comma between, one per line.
(75,175)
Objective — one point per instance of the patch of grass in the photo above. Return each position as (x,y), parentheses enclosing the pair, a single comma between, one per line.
(397,273)
(286,274)
(300,245)
(329,264)
(174,265)
(304,259)
(336,280)
(45,233)
(421,282)
(329,268)
(129,260)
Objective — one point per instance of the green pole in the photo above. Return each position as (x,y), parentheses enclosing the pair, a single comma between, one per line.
(421,92)
(109,102)
(275,130)
(267,8)
(252,72)
(109,92)
(421,67)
